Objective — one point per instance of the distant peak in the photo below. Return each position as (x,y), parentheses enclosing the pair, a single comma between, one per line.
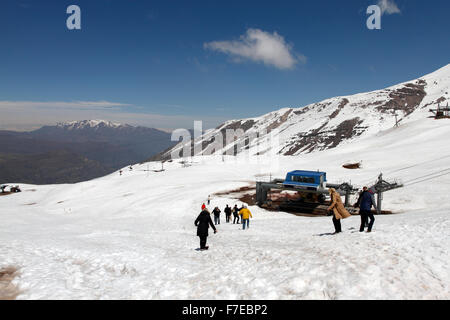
(89,124)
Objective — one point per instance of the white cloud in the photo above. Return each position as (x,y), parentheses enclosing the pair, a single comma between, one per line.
(61,104)
(259,46)
(388,6)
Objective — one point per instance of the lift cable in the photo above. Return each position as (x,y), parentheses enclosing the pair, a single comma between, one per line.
(427,179)
(418,164)
(412,166)
(427,175)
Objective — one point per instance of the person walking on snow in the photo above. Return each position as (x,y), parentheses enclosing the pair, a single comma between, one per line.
(209,200)
(216,212)
(245,216)
(227,211)
(365,202)
(339,211)
(235,214)
(202,223)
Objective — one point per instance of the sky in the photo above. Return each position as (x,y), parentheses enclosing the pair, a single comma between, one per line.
(167,63)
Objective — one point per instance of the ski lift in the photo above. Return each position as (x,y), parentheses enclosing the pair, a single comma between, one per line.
(441,112)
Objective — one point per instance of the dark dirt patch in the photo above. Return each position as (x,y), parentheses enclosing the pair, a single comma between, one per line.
(240,190)
(245,194)
(5,193)
(250,199)
(8,291)
(352,165)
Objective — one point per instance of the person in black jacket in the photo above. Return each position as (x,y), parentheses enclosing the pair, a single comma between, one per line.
(227,211)
(365,202)
(236,214)
(202,223)
(216,212)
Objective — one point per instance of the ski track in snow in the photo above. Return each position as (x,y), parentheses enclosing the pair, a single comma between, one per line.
(133,236)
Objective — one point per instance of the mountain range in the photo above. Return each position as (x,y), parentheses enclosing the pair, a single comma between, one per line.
(70,152)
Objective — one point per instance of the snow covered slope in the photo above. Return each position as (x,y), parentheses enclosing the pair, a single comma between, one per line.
(329,123)
(133,236)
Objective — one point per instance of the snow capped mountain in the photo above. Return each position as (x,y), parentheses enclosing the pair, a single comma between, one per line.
(107,144)
(98,130)
(83,124)
(326,124)
(135,143)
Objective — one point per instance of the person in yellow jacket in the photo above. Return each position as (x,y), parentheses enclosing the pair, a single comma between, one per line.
(245,216)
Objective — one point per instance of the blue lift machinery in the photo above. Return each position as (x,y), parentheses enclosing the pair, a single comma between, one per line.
(311,188)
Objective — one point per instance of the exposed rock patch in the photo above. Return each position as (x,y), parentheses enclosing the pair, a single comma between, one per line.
(320,140)
(406,99)
(343,103)
(279,121)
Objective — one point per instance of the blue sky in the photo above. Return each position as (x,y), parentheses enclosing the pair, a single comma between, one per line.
(167,63)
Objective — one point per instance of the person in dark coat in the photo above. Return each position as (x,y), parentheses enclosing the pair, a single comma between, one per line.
(15,189)
(202,223)
(216,213)
(365,202)
(227,211)
(236,214)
